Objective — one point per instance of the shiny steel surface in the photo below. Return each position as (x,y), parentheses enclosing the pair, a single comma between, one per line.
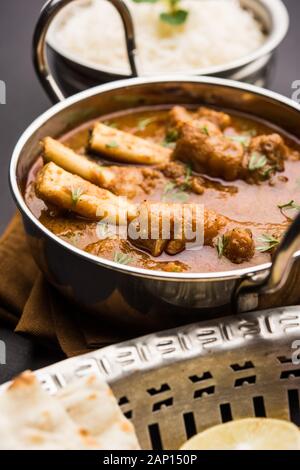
(248,291)
(76,74)
(135,296)
(49,11)
(178,382)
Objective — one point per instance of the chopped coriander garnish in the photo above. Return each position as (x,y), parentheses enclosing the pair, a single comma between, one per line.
(292,205)
(221,245)
(75,195)
(269,243)
(173,193)
(122,258)
(174,18)
(266,173)
(72,238)
(143,123)
(170,145)
(171,136)
(187,179)
(205,130)
(102,230)
(110,124)
(112,145)
(289,205)
(188,173)
(176,269)
(169,187)
(249,132)
(179,196)
(242,139)
(257,161)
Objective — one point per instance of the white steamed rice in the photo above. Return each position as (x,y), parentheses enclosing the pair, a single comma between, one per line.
(216,32)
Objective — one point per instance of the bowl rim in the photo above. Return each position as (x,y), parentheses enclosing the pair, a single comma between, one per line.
(123,84)
(280,20)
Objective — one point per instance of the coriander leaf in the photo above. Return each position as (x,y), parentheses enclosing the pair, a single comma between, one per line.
(176,269)
(269,243)
(169,187)
(174,18)
(112,145)
(205,130)
(173,3)
(170,145)
(187,179)
(122,258)
(188,173)
(221,245)
(257,161)
(102,230)
(72,238)
(173,193)
(289,205)
(75,195)
(110,124)
(180,196)
(266,173)
(171,136)
(143,123)
(242,139)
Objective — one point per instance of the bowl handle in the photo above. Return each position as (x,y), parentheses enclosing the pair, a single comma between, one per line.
(41,65)
(246,296)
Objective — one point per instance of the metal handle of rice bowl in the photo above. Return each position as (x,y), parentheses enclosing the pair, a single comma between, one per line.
(48,12)
(247,294)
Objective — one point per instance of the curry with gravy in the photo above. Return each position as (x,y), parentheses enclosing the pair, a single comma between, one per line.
(244,172)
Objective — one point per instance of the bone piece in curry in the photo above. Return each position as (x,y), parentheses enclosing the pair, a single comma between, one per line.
(124,147)
(54,151)
(123,181)
(169,227)
(74,193)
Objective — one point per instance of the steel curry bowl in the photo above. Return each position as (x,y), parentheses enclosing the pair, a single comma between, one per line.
(135,296)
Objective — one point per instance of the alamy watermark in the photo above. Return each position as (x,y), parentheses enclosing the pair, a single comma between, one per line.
(153,222)
(2,352)
(296,352)
(296,91)
(2,92)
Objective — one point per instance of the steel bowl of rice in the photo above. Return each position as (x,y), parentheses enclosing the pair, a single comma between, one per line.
(97,41)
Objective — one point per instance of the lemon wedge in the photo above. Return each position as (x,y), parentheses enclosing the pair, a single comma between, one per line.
(247,434)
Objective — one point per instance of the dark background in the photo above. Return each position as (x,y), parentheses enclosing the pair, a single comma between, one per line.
(26,100)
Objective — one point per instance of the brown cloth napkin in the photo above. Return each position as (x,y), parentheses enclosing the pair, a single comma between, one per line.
(33,307)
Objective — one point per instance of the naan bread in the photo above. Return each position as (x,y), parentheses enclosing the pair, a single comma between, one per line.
(92,406)
(31,419)
(84,415)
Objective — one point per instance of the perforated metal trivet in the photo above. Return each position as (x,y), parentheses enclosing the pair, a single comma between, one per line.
(179,382)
